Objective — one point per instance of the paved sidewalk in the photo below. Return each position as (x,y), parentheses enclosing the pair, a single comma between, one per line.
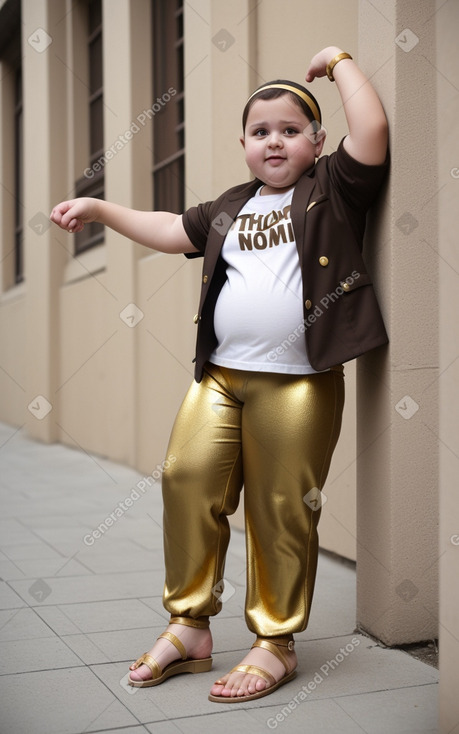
(78,604)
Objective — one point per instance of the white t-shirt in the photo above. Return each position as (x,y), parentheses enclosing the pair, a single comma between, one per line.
(258,316)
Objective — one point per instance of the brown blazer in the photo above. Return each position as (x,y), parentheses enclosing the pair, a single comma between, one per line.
(342,319)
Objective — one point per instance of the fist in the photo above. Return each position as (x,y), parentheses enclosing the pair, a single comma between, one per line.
(318,64)
(74,214)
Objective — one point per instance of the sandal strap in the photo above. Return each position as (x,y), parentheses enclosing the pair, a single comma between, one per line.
(151,663)
(176,642)
(255,670)
(201,623)
(278,647)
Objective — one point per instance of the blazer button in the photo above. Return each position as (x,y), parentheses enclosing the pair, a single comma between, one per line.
(308,304)
(196,318)
(345,286)
(323,261)
(205,279)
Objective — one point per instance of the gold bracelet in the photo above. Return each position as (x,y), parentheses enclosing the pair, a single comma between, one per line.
(333,62)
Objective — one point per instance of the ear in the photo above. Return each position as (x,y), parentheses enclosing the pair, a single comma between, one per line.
(319,141)
(316,137)
(242,141)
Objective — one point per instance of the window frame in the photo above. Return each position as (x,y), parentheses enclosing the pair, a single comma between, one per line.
(168,169)
(94,233)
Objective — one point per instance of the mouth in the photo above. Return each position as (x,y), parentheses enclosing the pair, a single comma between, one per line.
(275,158)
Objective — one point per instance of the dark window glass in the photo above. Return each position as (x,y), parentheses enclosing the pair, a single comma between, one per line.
(18,179)
(168,120)
(93,233)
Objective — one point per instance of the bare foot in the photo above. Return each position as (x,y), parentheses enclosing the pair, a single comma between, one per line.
(197,642)
(244,684)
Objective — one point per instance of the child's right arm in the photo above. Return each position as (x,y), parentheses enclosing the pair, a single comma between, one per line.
(162,231)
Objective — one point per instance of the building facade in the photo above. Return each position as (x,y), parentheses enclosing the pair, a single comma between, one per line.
(139,102)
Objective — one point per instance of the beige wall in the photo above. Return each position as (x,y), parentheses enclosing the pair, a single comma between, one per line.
(447,64)
(397,475)
(114,390)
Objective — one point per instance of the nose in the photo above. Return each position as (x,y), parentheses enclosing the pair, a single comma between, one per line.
(275,139)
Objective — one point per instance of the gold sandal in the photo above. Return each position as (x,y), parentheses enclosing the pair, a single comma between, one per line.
(185,665)
(273,645)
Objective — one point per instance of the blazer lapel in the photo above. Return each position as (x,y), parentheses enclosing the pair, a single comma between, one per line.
(302,201)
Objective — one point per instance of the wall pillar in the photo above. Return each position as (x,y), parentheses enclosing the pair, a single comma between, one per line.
(127,92)
(447,63)
(397,445)
(45,147)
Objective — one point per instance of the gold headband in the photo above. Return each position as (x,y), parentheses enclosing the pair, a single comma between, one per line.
(304,96)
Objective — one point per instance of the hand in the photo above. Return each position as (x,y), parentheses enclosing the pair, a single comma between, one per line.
(74,214)
(318,64)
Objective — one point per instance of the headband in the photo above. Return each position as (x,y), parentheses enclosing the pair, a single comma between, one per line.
(307,98)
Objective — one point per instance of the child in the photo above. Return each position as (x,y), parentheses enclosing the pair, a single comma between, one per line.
(285,300)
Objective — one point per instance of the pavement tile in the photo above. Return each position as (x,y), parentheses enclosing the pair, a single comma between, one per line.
(46,653)
(56,535)
(22,624)
(94,588)
(232,720)
(87,649)
(140,560)
(84,611)
(147,707)
(353,714)
(17,535)
(103,546)
(11,531)
(123,645)
(29,551)
(104,616)
(32,569)
(68,701)
(75,520)
(405,711)
(231,634)
(339,665)
(315,717)
(330,586)
(184,695)
(8,597)
(58,620)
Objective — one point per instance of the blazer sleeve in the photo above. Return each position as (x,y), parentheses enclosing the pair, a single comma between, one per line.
(196,222)
(357,183)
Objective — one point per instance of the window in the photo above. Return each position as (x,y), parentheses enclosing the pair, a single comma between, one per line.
(13,147)
(168,121)
(93,233)
(18,179)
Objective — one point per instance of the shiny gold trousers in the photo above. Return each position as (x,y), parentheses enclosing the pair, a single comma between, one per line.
(274,434)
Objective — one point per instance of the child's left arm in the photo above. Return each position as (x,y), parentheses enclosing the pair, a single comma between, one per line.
(367,139)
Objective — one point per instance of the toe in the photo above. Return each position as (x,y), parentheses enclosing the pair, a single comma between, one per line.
(141,673)
(216,689)
(237,685)
(260,684)
(255,684)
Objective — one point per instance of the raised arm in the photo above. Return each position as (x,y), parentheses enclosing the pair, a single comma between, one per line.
(162,231)
(367,139)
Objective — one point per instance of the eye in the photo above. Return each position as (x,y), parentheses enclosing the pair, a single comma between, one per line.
(291,131)
(260,132)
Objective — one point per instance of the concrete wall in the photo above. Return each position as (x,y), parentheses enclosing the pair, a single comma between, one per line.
(398,386)
(447,551)
(113,389)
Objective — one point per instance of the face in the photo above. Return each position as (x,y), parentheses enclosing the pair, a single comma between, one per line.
(278,146)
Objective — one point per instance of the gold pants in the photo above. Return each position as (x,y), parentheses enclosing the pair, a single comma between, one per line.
(274,434)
